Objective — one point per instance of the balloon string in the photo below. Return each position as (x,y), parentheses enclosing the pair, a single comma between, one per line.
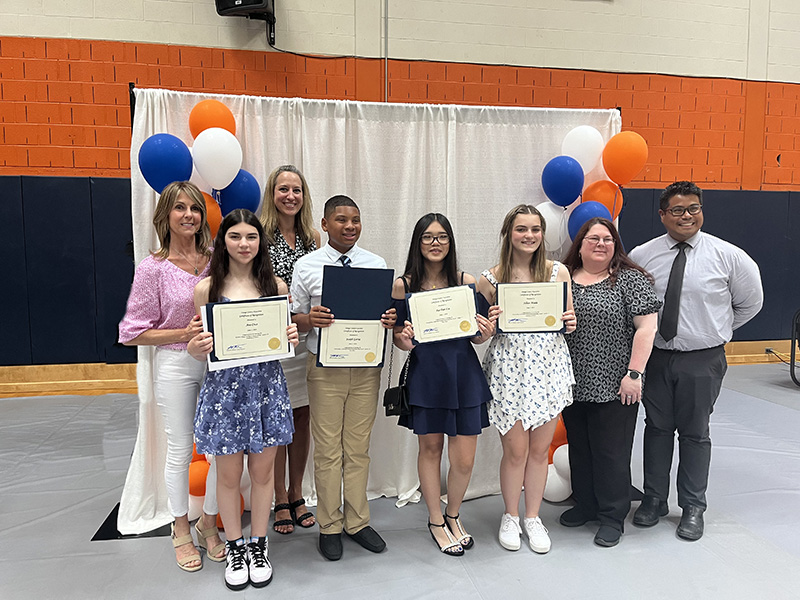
(614,205)
(217,197)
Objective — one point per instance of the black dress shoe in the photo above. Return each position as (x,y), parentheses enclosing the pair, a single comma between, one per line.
(607,536)
(330,545)
(650,510)
(691,526)
(369,539)
(575,517)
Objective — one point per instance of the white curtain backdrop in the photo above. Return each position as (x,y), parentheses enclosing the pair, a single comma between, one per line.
(398,162)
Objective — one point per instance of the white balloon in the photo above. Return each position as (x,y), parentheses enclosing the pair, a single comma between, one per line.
(561,461)
(584,144)
(217,156)
(196,179)
(557,489)
(556,232)
(246,485)
(195,507)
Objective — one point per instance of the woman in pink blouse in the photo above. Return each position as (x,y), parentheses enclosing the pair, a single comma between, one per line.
(161,313)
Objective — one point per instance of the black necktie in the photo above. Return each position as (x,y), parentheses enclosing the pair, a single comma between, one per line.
(345,260)
(672,298)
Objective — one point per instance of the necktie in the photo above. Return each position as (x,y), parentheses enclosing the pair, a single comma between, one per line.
(672,298)
(345,260)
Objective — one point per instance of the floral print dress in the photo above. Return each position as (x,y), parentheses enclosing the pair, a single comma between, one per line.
(529,375)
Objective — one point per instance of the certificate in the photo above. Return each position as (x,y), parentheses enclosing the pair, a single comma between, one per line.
(350,343)
(531,307)
(357,297)
(247,331)
(445,314)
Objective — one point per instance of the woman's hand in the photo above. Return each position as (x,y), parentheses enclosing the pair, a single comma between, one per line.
(570,321)
(630,390)
(291,335)
(389,318)
(403,338)
(194,328)
(494,313)
(201,345)
(486,328)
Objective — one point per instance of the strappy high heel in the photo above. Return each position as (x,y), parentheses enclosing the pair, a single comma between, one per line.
(458,531)
(453,548)
(202,541)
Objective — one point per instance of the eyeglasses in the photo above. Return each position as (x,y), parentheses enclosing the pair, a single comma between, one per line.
(595,240)
(677,211)
(428,239)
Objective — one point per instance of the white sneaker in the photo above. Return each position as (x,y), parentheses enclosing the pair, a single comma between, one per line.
(237,575)
(260,567)
(509,532)
(538,539)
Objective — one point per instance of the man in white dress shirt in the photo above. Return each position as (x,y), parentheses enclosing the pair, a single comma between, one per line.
(709,287)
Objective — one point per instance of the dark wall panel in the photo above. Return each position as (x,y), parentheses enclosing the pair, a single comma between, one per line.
(113,257)
(15,341)
(60,269)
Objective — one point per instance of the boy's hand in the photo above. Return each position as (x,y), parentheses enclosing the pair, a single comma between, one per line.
(319,316)
(389,318)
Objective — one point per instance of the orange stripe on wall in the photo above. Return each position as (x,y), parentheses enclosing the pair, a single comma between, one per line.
(64,104)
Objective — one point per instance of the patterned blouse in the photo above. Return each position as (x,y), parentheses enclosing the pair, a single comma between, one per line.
(601,345)
(283,257)
(162,297)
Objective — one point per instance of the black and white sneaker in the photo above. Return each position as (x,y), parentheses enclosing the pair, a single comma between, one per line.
(237,575)
(260,567)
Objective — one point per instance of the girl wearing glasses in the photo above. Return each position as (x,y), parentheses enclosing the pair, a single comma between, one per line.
(618,310)
(530,377)
(447,391)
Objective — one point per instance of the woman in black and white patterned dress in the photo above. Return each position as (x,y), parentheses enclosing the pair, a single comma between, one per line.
(286,217)
(617,309)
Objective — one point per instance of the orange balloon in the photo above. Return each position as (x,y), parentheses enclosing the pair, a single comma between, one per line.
(213,214)
(211,113)
(606,193)
(624,156)
(198,471)
(196,456)
(219,519)
(559,439)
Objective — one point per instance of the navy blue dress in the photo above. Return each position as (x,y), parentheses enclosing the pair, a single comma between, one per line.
(447,390)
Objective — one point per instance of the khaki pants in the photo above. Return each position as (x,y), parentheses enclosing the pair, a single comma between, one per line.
(343,403)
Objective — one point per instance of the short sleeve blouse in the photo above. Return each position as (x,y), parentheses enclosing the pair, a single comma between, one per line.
(601,345)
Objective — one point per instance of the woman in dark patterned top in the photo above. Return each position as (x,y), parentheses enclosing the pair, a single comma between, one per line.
(617,311)
(286,217)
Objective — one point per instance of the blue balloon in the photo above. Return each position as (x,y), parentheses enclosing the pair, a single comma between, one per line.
(582,213)
(562,180)
(163,158)
(242,192)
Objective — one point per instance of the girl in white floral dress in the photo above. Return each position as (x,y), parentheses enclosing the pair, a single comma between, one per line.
(530,378)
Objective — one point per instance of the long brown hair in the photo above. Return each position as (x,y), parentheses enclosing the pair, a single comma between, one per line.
(538,265)
(303,221)
(262,272)
(167,200)
(619,260)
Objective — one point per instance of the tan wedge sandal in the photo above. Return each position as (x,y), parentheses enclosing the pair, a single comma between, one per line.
(202,541)
(182,562)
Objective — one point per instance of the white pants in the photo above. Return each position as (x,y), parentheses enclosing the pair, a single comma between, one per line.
(176,383)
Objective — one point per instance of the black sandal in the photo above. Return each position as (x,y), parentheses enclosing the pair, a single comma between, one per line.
(282,522)
(293,506)
(459,532)
(453,548)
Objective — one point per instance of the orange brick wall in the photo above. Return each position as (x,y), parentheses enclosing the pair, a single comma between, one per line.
(64,104)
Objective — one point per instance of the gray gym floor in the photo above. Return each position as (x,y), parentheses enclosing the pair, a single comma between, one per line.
(63,461)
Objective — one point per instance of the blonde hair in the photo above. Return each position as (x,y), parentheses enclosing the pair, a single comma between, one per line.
(303,221)
(538,266)
(167,200)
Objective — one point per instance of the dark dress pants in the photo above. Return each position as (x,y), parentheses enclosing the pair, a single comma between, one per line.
(600,437)
(679,394)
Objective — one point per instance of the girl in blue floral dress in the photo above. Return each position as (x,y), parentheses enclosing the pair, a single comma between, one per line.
(530,378)
(242,409)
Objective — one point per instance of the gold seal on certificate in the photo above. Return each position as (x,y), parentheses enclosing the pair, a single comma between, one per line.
(531,307)
(443,314)
(350,343)
(247,331)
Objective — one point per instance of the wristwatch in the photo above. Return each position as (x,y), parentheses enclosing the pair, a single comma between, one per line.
(634,374)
